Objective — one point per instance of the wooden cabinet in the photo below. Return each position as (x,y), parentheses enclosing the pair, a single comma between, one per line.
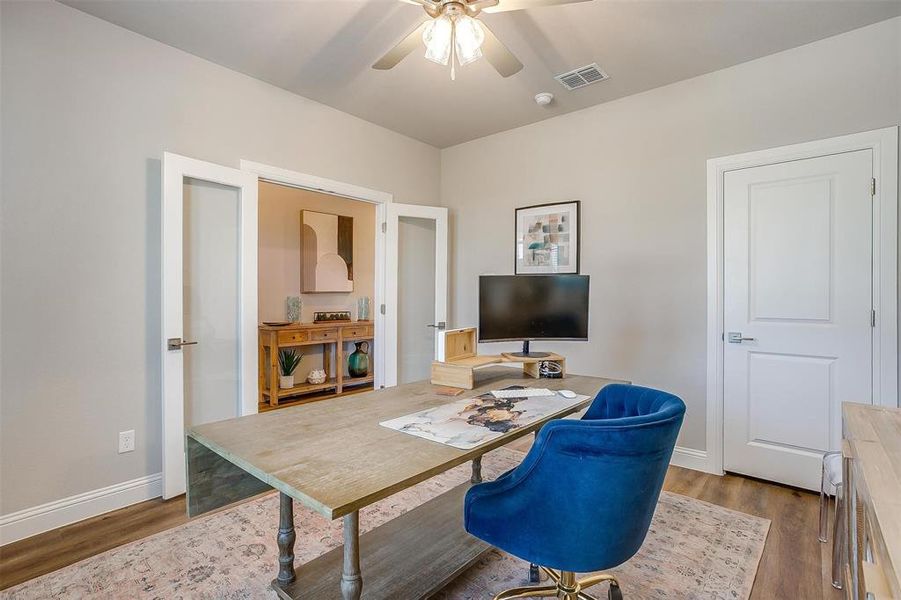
(331,337)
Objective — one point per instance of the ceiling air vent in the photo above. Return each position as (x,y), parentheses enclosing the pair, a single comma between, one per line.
(578,78)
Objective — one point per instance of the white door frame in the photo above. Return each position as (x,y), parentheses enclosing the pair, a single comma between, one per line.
(175,169)
(439,215)
(884,145)
(305,181)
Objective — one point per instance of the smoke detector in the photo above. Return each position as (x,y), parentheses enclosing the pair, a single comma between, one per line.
(544,98)
(581,77)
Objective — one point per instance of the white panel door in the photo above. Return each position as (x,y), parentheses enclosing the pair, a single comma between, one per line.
(798,307)
(209,286)
(415,289)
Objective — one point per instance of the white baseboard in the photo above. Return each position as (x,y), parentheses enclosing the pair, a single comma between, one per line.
(38,519)
(690,458)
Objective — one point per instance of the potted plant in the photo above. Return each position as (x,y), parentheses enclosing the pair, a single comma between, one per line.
(288,359)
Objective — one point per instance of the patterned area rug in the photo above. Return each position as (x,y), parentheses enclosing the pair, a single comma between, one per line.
(694,550)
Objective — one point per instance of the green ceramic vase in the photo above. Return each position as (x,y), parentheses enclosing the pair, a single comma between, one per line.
(358,361)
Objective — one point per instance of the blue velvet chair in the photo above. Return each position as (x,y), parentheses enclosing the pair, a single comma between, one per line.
(583,497)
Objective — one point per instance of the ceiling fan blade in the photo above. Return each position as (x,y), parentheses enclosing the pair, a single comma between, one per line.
(508,5)
(433,7)
(477,6)
(402,49)
(497,54)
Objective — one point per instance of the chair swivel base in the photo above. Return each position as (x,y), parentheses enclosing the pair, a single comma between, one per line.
(565,586)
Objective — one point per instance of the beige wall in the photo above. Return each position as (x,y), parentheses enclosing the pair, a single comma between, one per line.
(87,110)
(279,258)
(639,166)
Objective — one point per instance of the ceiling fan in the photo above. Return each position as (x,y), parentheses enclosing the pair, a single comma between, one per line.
(456,35)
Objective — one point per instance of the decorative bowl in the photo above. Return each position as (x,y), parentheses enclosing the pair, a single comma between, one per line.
(316,376)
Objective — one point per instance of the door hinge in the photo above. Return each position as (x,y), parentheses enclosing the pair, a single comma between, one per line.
(382,309)
(385,227)
(872,318)
(873,187)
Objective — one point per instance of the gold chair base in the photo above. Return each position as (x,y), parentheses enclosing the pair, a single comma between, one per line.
(565,587)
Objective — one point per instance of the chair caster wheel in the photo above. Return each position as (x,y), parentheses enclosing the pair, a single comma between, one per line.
(534,575)
(613,592)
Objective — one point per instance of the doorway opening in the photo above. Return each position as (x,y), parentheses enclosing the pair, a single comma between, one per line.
(316,263)
(218,281)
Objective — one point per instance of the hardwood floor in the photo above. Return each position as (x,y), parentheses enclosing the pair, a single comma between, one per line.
(46,552)
(794,565)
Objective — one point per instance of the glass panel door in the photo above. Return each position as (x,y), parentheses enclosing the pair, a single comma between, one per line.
(415,289)
(415,298)
(209,288)
(211,278)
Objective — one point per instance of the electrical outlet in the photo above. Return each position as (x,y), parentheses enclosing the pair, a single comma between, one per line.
(126,441)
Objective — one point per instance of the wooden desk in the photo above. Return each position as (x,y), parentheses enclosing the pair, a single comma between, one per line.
(335,458)
(872,477)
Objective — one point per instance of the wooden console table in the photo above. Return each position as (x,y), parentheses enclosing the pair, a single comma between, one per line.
(871,452)
(335,458)
(331,336)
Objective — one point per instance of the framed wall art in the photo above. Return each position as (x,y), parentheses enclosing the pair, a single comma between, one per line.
(547,238)
(326,252)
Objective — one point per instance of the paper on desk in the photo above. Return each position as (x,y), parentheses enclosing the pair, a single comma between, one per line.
(469,422)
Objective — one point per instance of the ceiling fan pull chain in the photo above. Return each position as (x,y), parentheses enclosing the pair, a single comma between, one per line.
(453,48)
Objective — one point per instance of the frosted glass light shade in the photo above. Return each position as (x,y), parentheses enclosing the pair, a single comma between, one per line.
(437,38)
(468,39)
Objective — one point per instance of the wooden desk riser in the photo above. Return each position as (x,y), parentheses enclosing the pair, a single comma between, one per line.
(872,477)
(335,458)
(460,360)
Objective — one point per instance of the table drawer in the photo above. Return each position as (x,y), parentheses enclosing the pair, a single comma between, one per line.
(359,331)
(323,335)
(292,337)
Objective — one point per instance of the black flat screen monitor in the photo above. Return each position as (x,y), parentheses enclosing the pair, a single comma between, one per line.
(533,307)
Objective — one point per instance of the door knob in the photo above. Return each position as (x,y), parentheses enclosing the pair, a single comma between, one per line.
(439,325)
(177,343)
(735,337)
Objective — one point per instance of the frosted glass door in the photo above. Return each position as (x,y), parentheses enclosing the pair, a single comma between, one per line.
(415,289)
(211,280)
(416,330)
(209,289)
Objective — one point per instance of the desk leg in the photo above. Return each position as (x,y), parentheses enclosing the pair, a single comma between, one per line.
(476,470)
(286,537)
(351,579)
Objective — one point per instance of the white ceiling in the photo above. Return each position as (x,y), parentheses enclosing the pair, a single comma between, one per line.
(323,49)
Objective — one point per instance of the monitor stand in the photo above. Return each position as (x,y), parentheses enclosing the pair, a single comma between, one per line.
(526,354)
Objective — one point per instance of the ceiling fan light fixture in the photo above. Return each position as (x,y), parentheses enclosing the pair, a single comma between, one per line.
(454,35)
(437,39)
(468,38)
